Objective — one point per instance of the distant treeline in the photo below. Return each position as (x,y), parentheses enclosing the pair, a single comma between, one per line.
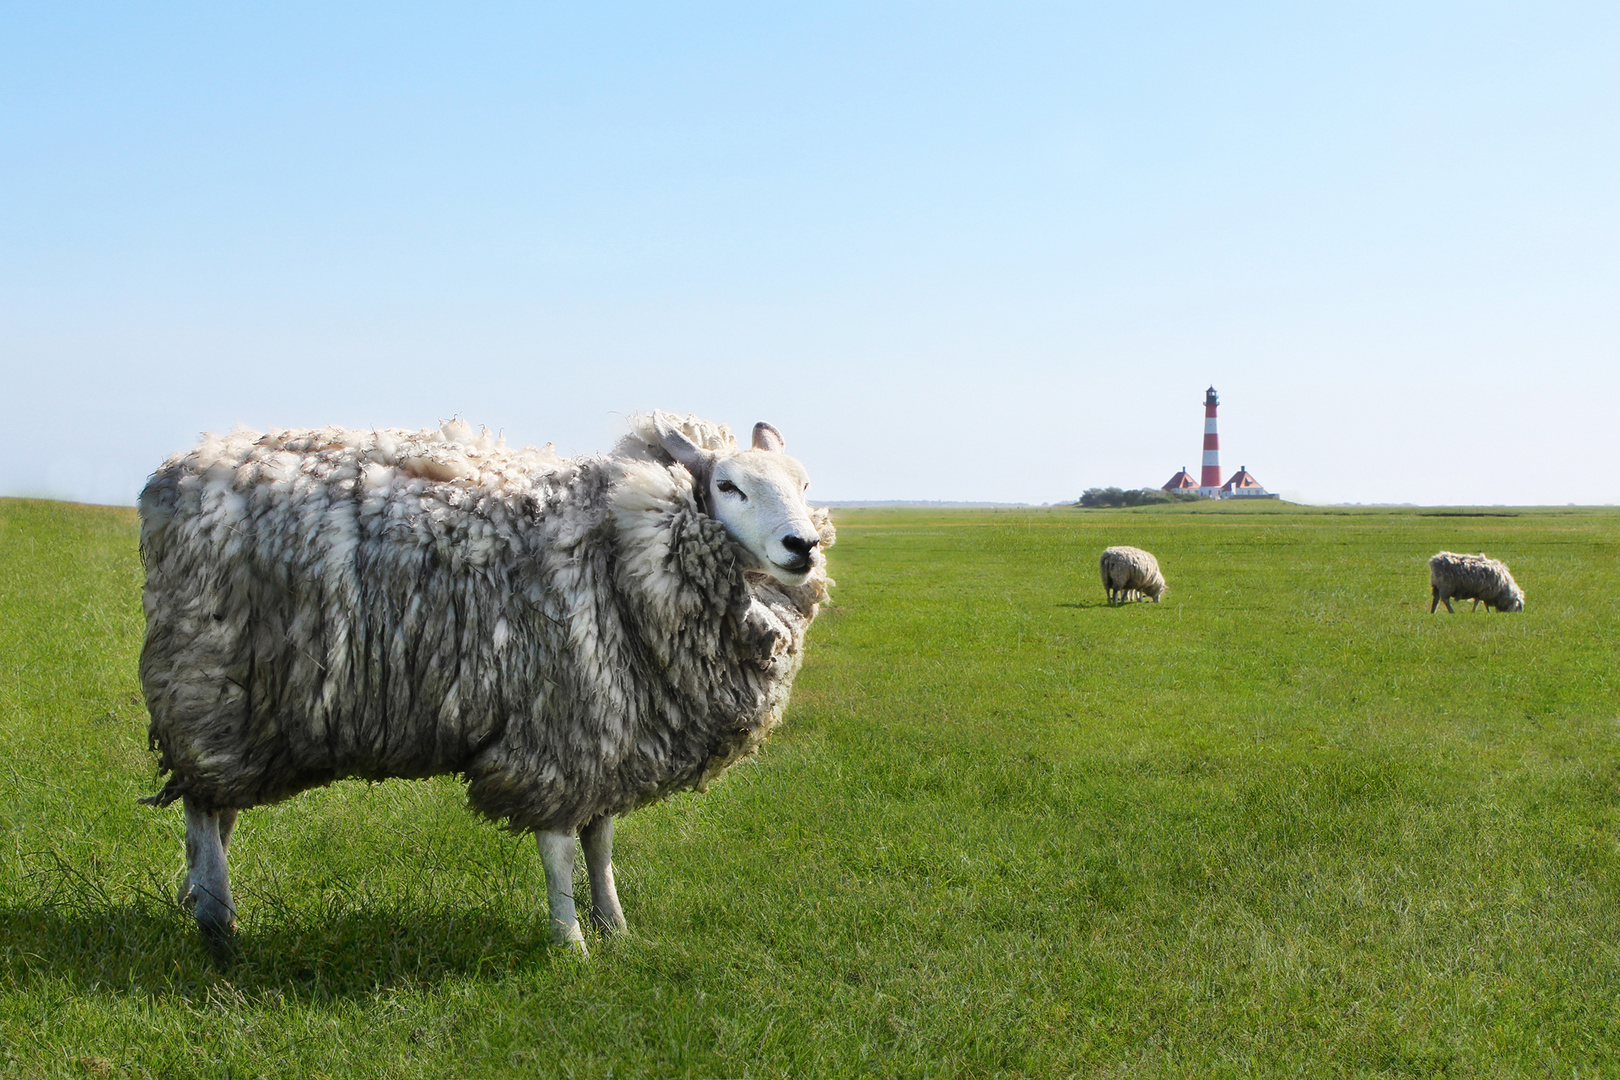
(1113,496)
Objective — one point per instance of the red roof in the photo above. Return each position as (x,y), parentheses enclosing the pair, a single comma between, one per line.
(1180,482)
(1243,478)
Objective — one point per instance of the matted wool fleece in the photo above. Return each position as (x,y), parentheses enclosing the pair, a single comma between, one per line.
(575,636)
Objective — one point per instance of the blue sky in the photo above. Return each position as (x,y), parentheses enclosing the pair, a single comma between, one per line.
(990,252)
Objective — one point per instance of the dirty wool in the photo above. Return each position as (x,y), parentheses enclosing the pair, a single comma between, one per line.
(576,637)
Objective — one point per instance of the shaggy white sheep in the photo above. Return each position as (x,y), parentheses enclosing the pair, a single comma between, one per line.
(1131,572)
(577,638)
(1472,577)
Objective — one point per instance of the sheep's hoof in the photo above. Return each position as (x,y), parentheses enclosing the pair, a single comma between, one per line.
(221,945)
(569,938)
(219,934)
(610,922)
(217,924)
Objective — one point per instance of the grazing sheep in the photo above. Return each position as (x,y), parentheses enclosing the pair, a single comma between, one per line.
(1472,577)
(1131,572)
(577,638)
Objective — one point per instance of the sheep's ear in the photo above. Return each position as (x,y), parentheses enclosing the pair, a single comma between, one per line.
(767,437)
(679,447)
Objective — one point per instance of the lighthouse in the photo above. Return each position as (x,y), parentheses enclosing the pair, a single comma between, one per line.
(1209,484)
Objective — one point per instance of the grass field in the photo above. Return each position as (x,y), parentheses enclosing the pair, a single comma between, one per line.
(1284,823)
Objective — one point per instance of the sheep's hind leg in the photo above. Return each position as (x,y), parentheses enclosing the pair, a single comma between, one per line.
(227,825)
(208,881)
(597,839)
(557,854)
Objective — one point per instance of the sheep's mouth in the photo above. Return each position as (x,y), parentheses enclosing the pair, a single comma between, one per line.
(798,568)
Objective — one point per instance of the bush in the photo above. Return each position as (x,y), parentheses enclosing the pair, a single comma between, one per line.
(1103,497)
(1113,496)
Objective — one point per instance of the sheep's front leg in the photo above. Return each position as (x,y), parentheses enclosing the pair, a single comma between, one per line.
(208,881)
(557,855)
(597,837)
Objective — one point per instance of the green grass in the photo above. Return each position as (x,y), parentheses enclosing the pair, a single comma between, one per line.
(1284,823)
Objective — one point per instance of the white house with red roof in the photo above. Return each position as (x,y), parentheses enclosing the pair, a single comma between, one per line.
(1243,485)
(1181,482)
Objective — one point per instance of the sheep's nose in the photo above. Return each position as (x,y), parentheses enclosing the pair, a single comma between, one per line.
(801,545)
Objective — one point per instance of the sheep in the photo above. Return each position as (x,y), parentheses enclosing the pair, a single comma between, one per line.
(1131,572)
(1472,577)
(575,637)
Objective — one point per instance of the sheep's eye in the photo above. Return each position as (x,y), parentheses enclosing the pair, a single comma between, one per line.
(729,488)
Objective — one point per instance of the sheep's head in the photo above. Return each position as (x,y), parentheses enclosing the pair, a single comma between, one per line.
(1510,599)
(758,495)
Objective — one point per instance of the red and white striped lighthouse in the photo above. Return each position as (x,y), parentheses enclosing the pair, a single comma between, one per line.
(1209,483)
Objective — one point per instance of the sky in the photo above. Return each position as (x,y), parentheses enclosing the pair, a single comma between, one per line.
(988,252)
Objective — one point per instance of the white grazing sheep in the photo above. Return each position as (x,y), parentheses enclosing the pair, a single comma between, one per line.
(1131,572)
(577,638)
(1472,577)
